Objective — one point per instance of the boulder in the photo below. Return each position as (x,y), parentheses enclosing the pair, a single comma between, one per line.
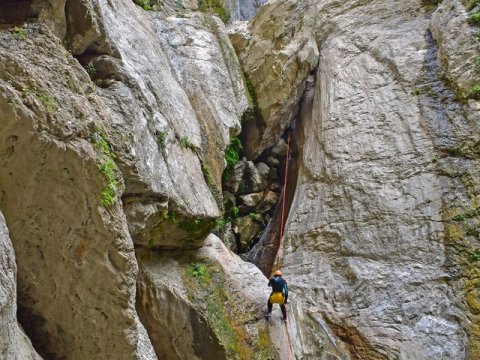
(247,227)
(245,179)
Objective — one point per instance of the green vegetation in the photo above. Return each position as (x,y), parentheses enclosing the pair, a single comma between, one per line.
(171,217)
(145,4)
(215,7)
(252,216)
(474,19)
(457,151)
(186,144)
(107,167)
(90,69)
(72,85)
(427,89)
(471,231)
(472,254)
(471,4)
(46,99)
(18,32)
(235,212)
(161,136)
(232,156)
(465,215)
(473,93)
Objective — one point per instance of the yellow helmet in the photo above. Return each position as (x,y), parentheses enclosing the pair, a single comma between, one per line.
(277,273)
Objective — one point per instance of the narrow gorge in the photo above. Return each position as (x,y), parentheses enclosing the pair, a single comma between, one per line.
(153,152)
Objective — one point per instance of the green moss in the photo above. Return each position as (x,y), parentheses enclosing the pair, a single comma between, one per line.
(471,4)
(474,19)
(232,156)
(474,91)
(107,167)
(46,99)
(90,69)
(161,136)
(186,144)
(466,215)
(195,226)
(72,85)
(214,7)
(145,4)
(18,32)
(472,232)
(235,212)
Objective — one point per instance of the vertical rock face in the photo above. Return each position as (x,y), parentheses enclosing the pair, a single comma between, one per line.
(76,264)
(14,344)
(277,51)
(242,9)
(368,242)
(169,98)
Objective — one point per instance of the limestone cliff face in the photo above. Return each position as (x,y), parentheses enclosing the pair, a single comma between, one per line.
(376,225)
(114,122)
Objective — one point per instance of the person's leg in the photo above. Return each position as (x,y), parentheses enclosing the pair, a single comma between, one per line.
(284,311)
(269,306)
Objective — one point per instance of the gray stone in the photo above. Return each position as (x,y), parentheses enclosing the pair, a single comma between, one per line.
(269,200)
(171,292)
(277,60)
(247,227)
(245,179)
(76,262)
(14,344)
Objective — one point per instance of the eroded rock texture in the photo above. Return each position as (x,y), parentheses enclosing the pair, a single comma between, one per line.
(206,304)
(14,344)
(369,236)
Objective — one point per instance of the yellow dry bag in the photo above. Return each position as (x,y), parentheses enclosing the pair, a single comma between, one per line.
(277,298)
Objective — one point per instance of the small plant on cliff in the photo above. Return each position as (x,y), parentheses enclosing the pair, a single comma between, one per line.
(473,93)
(107,167)
(18,32)
(145,4)
(46,99)
(474,19)
(161,136)
(214,6)
(232,156)
(186,144)
(471,4)
(235,212)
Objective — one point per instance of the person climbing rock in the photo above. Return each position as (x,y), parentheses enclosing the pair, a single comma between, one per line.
(279,294)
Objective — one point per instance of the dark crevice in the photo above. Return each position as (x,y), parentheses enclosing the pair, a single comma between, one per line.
(17,12)
(264,253)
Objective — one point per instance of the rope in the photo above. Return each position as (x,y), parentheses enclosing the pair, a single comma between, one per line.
(280,243)
(282,224)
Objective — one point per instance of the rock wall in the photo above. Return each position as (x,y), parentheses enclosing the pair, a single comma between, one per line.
(14,344)
(369,233)
(114,125)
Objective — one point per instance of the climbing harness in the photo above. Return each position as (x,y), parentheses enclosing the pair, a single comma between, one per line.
(280,243)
